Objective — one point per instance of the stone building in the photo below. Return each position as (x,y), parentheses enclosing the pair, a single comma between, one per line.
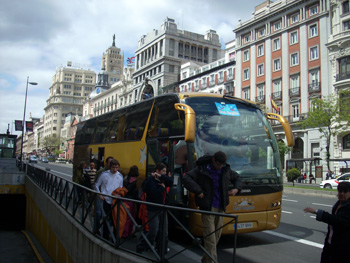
(161,52)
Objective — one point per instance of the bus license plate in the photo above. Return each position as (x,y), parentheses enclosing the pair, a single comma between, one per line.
(244,225)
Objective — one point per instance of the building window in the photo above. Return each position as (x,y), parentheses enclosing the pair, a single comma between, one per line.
(171,68)
(313,10)
(204,82)
(295,110)
(276,44)
(247,38)
(346,25)
(277,64)
(345,7)
(261,50)
(313,30)
(294,18)
(261,32)
(261,91)
(314,78)
(294,82)
(260,70)
(294,37)
(294,59)
(276,85)
(277,25)
(246,93)
(313,53)
(245,55)
(246,74)
(346,142)
(344,68)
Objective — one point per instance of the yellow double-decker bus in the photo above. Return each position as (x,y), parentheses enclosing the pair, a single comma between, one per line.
(177,129)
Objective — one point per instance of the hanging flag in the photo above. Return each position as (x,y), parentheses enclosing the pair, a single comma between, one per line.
(29,126)
(130,60)
(274,105)
(18,125)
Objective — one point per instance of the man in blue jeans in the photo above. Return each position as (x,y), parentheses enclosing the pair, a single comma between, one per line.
(155,189)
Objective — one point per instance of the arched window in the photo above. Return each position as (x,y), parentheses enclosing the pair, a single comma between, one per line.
(346,142)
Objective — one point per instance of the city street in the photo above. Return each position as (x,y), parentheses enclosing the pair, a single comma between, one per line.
(299,237)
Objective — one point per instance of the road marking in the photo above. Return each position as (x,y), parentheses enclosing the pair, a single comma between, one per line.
(288,200)
(322,204)
(303,241)
(286,212)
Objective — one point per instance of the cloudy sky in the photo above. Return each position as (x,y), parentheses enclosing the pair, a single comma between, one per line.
(36,36)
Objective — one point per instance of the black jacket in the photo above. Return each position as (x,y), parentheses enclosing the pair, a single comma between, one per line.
(340,222)
(199,181)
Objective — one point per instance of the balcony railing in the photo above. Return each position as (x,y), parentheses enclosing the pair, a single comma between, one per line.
(315,87)
(260,99)
(344,75)
(277,95)
(294,92)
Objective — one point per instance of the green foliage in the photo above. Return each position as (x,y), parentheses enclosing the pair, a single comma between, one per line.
(330,115)
(283,148)
(51,142)
(58,152)
(293,174)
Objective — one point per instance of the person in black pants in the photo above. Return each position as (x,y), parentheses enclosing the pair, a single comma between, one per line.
(337,241)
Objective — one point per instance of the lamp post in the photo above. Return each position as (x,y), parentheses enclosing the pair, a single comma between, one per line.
(24,118)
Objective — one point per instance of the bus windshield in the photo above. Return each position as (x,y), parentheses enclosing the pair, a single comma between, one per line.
(240,130)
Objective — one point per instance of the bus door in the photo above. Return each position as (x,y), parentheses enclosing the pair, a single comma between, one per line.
(101,157)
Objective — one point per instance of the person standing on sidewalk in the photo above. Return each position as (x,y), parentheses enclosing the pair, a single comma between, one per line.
(106,184)
(212,182)
(337,241)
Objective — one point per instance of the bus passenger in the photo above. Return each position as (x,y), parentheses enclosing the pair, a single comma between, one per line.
(133,193)
(106,184)
(212,181)
(98,201)
(79,178)
(155,188)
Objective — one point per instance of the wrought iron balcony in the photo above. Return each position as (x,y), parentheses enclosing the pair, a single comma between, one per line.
(260,99)
(277,95)
(343,76)
(315,87)
(294,92)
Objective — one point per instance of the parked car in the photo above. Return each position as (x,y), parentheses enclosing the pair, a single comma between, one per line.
(44,160)
(33,159)
(333,183)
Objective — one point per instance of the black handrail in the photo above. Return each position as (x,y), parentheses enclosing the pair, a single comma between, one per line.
(78,201)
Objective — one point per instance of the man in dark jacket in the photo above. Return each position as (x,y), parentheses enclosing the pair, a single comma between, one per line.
(337,241)
(155,188)
(212,181)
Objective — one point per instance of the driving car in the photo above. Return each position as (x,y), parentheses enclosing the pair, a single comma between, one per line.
(33,159)
(44,160)
(333,183)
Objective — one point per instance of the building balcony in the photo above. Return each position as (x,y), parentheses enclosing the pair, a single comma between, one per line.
(315,87)
(298,118)
(276,95)
(260,99)
(343,76)
(220,80)
(294,92)
(211,83)
(229,77)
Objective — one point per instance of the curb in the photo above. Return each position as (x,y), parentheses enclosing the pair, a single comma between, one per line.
(321,193)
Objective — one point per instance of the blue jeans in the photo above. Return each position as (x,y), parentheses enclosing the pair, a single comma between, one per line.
(98,213)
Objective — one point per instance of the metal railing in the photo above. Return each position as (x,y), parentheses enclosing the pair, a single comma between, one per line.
(80,203)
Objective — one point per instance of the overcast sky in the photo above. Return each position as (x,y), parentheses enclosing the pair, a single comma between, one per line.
(36,36)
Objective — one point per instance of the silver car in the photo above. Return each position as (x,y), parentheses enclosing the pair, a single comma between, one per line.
(333,183)
(33,159)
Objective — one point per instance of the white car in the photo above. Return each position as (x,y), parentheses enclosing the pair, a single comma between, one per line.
(333,183)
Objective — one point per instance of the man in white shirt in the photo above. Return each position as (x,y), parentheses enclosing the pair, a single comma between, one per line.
(106,184)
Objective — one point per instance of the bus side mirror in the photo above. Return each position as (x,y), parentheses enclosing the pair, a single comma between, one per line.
(285,125)
(190,121)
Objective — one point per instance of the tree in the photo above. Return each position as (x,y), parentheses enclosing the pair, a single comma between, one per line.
(51,142)
(331,116)
(283,149)
(293,174)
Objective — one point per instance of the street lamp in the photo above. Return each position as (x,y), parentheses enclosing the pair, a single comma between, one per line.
(24,118)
